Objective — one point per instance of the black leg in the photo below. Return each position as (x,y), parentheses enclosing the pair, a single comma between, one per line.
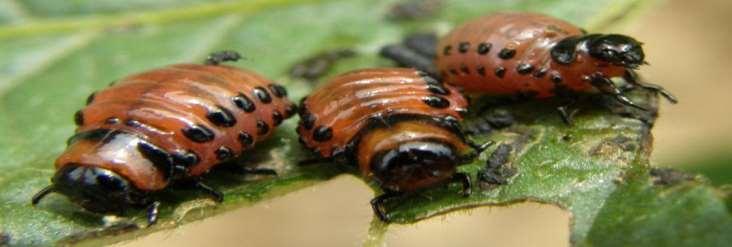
(215,194)
(464,179)
(567,112)
(409,58)
(632,78)
(377,204)
(607,86)
(152,213)
(477,148)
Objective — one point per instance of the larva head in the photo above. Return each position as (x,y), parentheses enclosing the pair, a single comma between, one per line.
(95,189)
(616,49)
(414,165)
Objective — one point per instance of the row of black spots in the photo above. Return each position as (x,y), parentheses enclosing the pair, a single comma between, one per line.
(483,48)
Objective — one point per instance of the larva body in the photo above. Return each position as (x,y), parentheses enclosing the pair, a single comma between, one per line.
(150,129)
(399,126)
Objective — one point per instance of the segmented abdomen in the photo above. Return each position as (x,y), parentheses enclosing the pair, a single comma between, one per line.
(196,114)
(509,53)
(334,114)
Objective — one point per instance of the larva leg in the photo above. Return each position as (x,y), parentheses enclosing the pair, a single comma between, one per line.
(464,179)
(215,194)
(607,86)
(567,112)
(152,213)
(377,204)
(405,56)
(633,78)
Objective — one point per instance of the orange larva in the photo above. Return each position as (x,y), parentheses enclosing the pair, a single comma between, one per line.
(157,127)
(532,56)
(399,125)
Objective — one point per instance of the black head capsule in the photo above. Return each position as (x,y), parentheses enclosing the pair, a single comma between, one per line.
(616,49)
(96,189)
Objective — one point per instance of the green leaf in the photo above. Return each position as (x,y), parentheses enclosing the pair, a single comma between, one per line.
(56,53)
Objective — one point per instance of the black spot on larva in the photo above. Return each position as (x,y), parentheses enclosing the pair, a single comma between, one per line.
(484,48)
(446,50)
(463,47)
(133,123)
(244,103)
(224,153)
(161,159)
(79,118)
(262,127)
(541,72)
(185,158)
(111,120)
(91,98)
(481,70)
(500,72)
(290,110)
(438,89)
(436,101)
(262,95)
(308,120)
(453,72)
(246,139)
(277,118)
(524,68)
(506,53)
(221,117)
(198,133)
(464,68)
(556,78)
(278,90)
(322,134)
